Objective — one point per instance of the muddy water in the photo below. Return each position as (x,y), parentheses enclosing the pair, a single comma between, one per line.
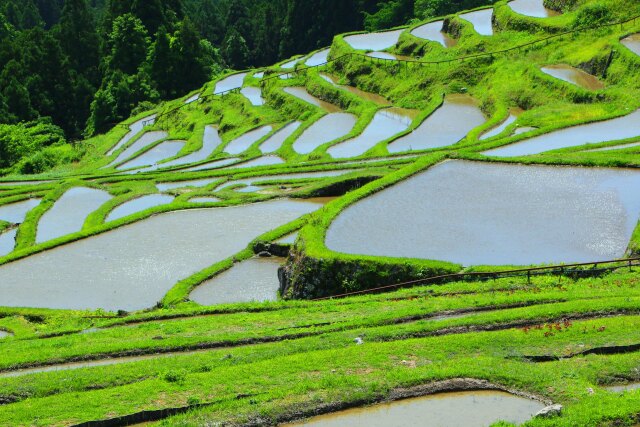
(624,387)
(164,186)
(433,31)
(573,75)
(632,43)
(144,141)
(373,97)
(330,127)
(164,150)
(481,20)
(134,128)
(213,165)
(132,267)
(16,212)
(454,409)
(534,8)
(204,200)
(608,130)
(7,241)
(210,141)
(276,140)
(138,205)
(253,280)
(193,98)
(496,214)
(383,126)
(446,126)
(301,93)
(317,58)
(374,41)
(243,142)
(500,128)
(253,94)
(230,83)
(69,212)
(260,161)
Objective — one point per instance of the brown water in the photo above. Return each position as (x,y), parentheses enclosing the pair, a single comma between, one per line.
(276,140)
(144,141)
(632,43)
(328,128)
(373,97)
(69,213)
(210,141)
(481,20)
(624,387)
(458,115)
(573,75)
(7,241)
(255,279)
(243,142)
(534,8)
(134,128)
(476,213)
(232,82)
(132,267)
(253,94)
(383,126)
(16,212)
(500,128)
(454,409)
(213,165)
(374,41)
(164,186)
(318,58)
(260,161)
(138,205)
(301,93)
(164,150)
(608,130)
(433,31)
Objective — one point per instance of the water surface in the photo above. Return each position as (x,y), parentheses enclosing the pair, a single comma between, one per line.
(192,98)
(616,147)
(144,141)
(164,186)
(134,128)
(243,142)
(451,122)
(7,241)
(16,212)
(500,128)
(476,213)
(573,75)
(259,75)
(276,140)
(204,200)
(632,42)
(289,239)
(132,267)
(374,41)
(301,93)
(373,97)
(481,20)
(139,204)
(433,31)
(284,177)
(253,94)
(624,387)
(261,161)
(534,8)
(164,150)
(453,409)
(210,141)
(607,130)
(328,128)
(383,126)
(318,58)
(69,212)
(232,82)
(255,279)
(213,165)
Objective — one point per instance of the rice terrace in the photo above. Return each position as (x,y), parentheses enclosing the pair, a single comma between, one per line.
(428,219)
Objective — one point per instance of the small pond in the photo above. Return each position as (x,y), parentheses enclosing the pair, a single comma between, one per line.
(481,20)
(277,139)
(255,279)
(573,75)
(137,205)
(477,213)
(433,31)
(452,409)
(243,142)
(328,128)
(374,41)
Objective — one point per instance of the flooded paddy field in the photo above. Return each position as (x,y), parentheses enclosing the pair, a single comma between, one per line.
(144,141)
(534,8)
(301,93)
(374,41)
(139,204)
(134,128)
(277,139)
(481,20)
(162,151)
(433,31)
(330,127)
(243,142)
(573,75)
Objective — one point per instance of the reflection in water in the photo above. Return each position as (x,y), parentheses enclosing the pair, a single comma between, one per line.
(7,241)
(253,280)
(132,267)
(164,186)
(624,387)
(260,161)
(481,20)
(330,127)
(243,142)
(500,128)
(301,93)
(213,165)
(16,212)
(144,141)
(204,200)
(534,8)
(192,98)
(162,151)
(373,97)
(318,58)
(453,409)
(253,94)
(632,43)
(374,41)
(230,83)
(276,140)
(607,130)
(134,128)
(573,75)
(138,205)
(477,213)
(210,141)
(446,126)
(433,31)
(69,212)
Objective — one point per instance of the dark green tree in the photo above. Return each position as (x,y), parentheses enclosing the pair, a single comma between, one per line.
(235,50)
(128,43)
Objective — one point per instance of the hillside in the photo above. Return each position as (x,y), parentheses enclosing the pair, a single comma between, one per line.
(447,209)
